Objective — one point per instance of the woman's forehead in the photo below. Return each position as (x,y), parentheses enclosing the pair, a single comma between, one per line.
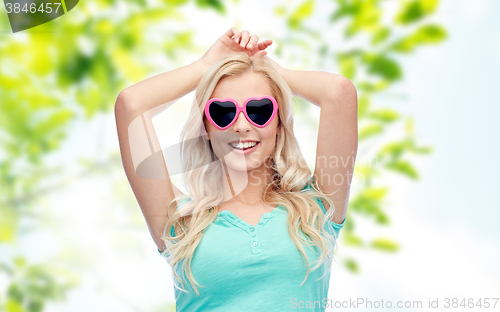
(242,87)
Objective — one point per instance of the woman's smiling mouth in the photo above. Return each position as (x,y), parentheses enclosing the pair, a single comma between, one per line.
(244,147)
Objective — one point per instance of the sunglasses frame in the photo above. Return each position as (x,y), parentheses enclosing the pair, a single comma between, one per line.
(241,109)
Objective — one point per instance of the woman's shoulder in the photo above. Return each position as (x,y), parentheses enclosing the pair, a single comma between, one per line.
(309,187)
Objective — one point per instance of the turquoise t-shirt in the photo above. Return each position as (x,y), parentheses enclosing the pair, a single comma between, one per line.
(247,268)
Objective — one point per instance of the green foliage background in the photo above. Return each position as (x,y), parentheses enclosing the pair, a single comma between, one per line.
(72,69)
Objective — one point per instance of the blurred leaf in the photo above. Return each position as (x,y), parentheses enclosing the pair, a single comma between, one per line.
(384,115)
(427,34)
(430,33)
(20,262)
(369,130)
(368,201)
(373,87)
(351,265)
(35,305)
(366,16)
(13,306)
(129,68)
(403,167)
(365,171)
(352,239)
(176,2)
(380,35)
(302,12)
(54,121)
(409,126)
(93,100)
(6,81)
(349,223)
(383,66)
(178,43)
(214,4)
(347,65)
(104,27)
(32,285)
(8,225)
(14,292)
(382,84)
(102,72)
(385,244)
(375,193)
(415,10)
(381,217)
(366,86)
(423,150)
(73,69)
(418,149)
(363,105)
(345,9)
(41,62)
(393,149)
(280,11)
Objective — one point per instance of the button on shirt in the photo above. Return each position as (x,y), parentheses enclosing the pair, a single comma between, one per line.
(247,268)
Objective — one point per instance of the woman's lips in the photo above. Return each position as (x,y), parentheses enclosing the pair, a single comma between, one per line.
(244,152)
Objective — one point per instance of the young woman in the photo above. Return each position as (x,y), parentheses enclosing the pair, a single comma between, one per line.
(258,230)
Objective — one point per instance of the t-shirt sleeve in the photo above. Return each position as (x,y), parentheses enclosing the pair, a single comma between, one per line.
(172,230)
(333,228)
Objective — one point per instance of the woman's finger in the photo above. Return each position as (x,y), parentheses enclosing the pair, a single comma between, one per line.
(236,33)
(232,33)
(264,44)
(244,38)
(253,42)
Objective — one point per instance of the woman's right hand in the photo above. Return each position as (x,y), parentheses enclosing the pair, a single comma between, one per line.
(234,42)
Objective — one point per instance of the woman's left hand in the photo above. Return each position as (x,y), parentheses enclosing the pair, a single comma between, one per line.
(234,42)
(257,49)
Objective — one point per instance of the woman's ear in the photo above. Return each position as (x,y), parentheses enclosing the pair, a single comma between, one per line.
(204,133)
(206,136)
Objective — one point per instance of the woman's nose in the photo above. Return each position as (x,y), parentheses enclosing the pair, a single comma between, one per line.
(241,124)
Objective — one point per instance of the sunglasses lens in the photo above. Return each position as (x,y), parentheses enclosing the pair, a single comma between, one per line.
(260,111)
(222,113)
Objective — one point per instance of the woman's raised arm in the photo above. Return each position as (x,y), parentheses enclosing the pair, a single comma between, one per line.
(163,88)
(137,104)
(134,109)
(338,130)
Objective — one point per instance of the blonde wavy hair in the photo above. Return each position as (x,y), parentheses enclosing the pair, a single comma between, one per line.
(203,182)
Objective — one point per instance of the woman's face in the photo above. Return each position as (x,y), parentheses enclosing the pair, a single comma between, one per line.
(240,89)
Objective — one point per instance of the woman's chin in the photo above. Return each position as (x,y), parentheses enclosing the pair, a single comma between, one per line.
(241,165)
(240,168)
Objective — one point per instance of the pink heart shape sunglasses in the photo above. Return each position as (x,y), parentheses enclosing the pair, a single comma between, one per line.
(259,111)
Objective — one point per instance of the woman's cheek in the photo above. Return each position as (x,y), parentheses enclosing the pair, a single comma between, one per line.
(219,143)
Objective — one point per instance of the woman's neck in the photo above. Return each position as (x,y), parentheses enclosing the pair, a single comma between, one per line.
(246,187)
